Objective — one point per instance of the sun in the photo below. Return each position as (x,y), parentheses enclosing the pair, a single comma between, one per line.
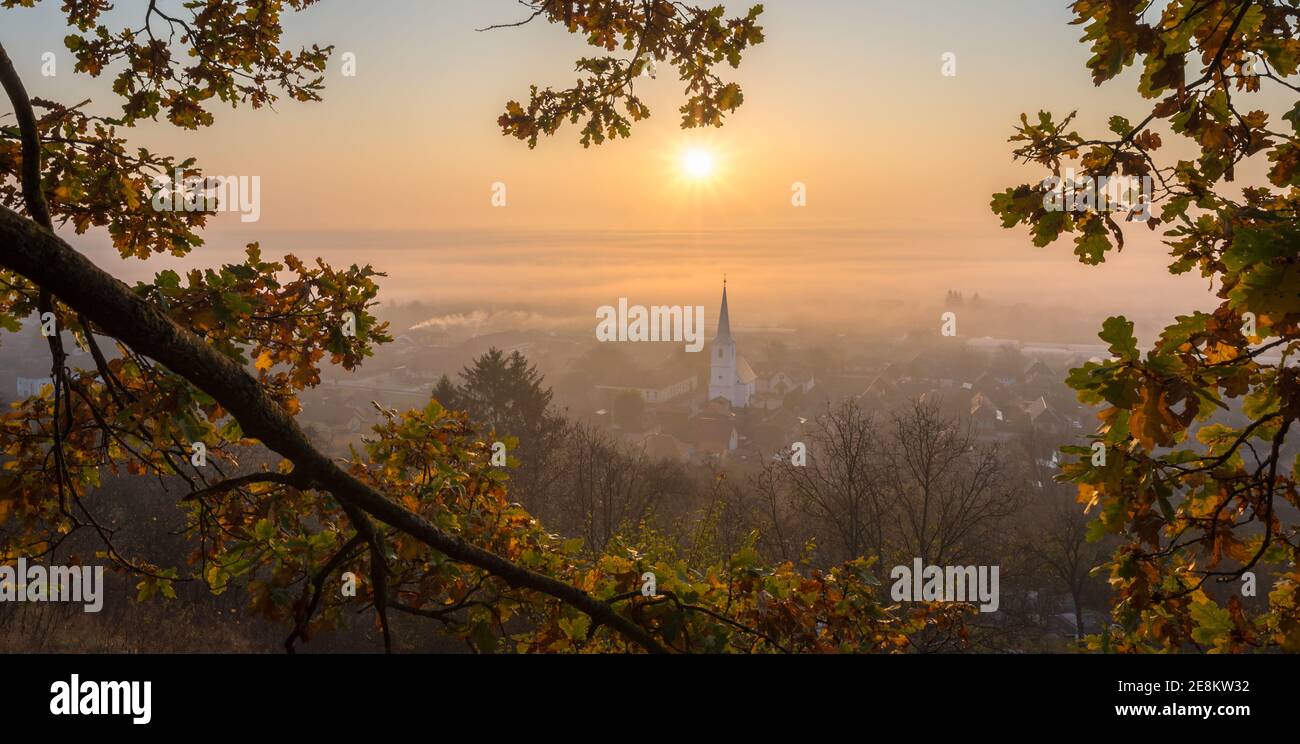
(698,163)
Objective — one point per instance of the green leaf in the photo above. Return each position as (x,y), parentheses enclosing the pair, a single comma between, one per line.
(1117,332)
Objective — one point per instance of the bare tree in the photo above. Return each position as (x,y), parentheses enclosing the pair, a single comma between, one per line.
(604,487)
(771,512)
(836,489)
(1055,539)
(946,491)
(921,487)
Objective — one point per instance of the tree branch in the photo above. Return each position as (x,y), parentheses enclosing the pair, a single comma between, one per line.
(46,260)
(231,484)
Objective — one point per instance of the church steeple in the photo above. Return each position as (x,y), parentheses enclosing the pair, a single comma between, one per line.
(730,376)
(724,318)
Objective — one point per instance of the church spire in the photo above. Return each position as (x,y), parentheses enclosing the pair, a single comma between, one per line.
(724,318)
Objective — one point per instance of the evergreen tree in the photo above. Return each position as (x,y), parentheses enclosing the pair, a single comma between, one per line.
(505,393)
(446,393)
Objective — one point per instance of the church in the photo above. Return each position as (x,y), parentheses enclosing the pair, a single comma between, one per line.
(730,376)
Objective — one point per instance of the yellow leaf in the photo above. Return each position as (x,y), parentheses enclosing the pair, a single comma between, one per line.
(264,361)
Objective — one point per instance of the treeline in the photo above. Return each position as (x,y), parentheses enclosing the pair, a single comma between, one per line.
(897,487)
(914,483)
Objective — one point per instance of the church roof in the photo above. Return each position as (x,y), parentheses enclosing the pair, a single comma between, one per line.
(744,372)
(724,319)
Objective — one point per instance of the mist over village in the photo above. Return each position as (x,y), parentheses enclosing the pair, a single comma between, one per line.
(809,443)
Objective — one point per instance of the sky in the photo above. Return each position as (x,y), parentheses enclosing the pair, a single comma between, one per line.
(845,96)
